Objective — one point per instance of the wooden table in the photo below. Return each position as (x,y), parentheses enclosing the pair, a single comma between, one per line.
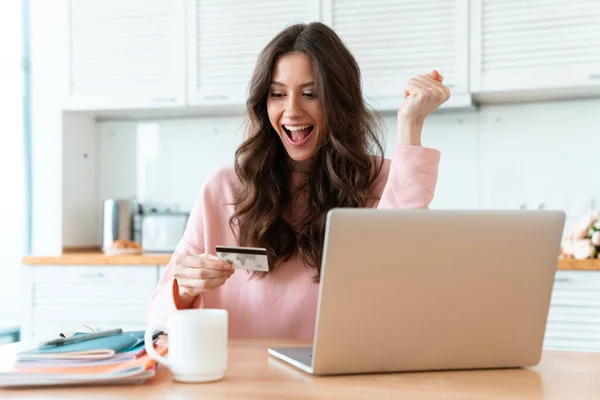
(252,374)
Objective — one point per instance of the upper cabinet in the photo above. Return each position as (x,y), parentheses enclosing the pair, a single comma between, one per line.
(394,40)
(546,45)
(226,37)
(180,56)
(127,54)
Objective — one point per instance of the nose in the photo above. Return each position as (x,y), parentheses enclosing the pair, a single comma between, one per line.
(293,108)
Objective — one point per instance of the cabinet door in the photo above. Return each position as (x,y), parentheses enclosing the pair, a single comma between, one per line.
(226,38)
(547,44)
(574,316)
(127,54)
(98,296)
(160,271)
(394,40)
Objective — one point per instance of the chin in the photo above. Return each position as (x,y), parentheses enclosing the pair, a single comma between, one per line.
(301,157)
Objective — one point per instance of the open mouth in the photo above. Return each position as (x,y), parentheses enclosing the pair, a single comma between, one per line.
(298,134)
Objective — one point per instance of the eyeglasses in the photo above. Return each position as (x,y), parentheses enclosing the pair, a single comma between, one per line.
(83,329)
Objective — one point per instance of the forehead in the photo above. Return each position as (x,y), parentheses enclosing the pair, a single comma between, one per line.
(293,69)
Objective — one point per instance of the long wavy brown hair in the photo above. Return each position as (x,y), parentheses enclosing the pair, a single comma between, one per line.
(345,167)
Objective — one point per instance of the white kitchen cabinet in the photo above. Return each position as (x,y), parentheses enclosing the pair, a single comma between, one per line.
(574,316)
(58,298)
(160,272)
(548,46)
(226,37)
(394,40)
(126,54)
(192,57)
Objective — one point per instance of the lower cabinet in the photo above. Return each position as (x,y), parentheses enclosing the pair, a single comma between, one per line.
(63,298)
(574,316)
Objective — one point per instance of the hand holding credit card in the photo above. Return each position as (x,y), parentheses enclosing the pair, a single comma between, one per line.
(248,258)
(196,274)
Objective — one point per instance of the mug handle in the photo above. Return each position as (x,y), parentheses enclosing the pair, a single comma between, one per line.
(149,346)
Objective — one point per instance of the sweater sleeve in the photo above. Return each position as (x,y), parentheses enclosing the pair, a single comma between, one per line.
(412,178)
(162,302)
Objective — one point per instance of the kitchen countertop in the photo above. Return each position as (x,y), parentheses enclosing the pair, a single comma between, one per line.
(97,257)
(591,264)
(92,256)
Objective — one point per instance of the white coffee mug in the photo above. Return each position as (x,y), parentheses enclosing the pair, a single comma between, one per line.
(197,344)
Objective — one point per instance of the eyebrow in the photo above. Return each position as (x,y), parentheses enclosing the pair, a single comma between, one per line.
(311,83)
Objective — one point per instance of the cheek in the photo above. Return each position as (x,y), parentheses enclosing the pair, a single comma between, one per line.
(317,115)
(273,115)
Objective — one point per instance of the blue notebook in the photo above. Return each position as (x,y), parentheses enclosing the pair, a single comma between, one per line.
(98,348)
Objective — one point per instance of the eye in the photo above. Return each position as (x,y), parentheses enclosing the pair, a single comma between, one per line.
(276,95)
(309,95)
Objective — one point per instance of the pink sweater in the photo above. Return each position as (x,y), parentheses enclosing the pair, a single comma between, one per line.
(284,303)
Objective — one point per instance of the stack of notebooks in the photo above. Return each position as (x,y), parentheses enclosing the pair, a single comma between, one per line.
(110,359)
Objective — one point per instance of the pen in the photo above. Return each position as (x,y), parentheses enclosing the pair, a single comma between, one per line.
(80,338)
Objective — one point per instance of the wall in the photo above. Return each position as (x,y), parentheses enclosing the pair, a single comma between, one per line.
(49,82)
(12,159)
(501,156)
(189,150)
(164,161)
(80,181)
(544,152)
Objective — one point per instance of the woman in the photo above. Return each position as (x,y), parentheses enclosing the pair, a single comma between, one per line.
(307,150)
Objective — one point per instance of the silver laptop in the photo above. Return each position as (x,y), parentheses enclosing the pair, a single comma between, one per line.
(421,290)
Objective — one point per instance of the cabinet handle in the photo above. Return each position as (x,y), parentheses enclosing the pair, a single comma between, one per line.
(164,100)
(96,275)
(594,76)
(565,280)
(216,97)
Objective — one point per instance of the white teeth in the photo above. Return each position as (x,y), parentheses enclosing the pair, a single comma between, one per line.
(295,128)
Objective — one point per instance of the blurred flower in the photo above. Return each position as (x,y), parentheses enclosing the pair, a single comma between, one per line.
(583,249)
(596,238)
(582,227)
(584,241)
(567,247)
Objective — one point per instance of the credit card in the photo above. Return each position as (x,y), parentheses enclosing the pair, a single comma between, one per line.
(248,258)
